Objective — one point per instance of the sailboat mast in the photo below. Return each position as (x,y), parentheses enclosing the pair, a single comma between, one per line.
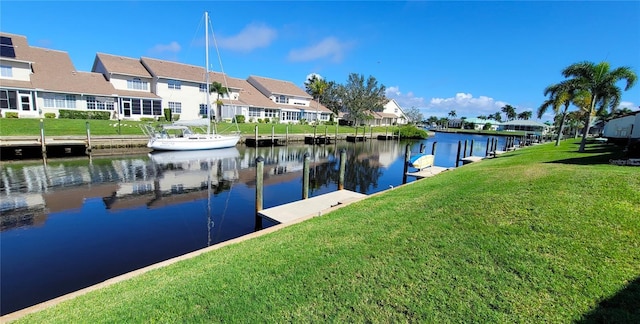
(206,60)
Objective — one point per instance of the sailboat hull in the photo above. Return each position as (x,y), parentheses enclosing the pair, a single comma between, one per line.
(199,142)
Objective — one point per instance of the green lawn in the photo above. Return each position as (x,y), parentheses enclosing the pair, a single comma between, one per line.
(543,234)
(61,127)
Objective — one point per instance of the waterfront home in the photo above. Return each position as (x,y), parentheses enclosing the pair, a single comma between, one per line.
(392,114)
(623,129)
(36,81)
(293,103)
(523,125)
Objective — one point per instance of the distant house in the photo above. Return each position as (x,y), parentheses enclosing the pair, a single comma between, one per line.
(524,126)
(392,114)
(479,123)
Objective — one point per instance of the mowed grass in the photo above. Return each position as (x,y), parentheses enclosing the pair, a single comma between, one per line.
(542,234)
(77,127)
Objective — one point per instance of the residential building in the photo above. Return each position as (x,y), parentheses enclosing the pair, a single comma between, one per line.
(293,104)
(35,81)
(525,125)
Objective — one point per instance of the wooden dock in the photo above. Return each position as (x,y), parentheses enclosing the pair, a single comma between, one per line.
(317,140)
(310,207)
(264,141)
(427,172)
(353,138)
(387,137)
(470,159)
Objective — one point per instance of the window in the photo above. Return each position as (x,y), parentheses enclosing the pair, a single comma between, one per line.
(99,103)
(203,87)
(176,107)
(270,113)
(6,71)
(8,99)
(146,107)
(282,99)
(157,108)
(59,101)
(203,109)
(174,84)
(254,112)
(137,84)
(290,115)
(142,188)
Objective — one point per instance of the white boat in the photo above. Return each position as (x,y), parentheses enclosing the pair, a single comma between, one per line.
(421,161)
(198,156)
(179,136)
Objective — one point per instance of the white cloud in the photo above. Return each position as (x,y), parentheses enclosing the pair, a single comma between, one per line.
(465,105)
(172,47)
(628,104)
(329,47)
(255,35)
(405,100)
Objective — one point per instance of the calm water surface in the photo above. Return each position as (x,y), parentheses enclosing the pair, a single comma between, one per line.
(70,224)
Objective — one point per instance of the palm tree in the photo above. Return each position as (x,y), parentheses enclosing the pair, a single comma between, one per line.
(452,114)
(558,96)
(509,111)
(600,81)
(316,86)
(525,115)
(220,90)
(497,117)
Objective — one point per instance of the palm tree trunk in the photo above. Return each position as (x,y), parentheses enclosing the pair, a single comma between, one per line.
(585,131)
(564,116)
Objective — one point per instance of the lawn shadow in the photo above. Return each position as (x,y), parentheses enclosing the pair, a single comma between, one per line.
(595,154)
(623,307)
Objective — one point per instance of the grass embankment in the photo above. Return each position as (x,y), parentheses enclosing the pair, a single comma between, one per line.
(542,234)
(77,127)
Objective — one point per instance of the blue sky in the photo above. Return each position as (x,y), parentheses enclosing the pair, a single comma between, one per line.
(472,57)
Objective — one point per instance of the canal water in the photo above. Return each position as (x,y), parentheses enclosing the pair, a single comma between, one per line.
(69,224)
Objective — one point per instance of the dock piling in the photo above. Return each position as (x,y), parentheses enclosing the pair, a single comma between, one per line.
(464,154)
(407,158)
(458,154)
(433,148)
(471,149)
(259,190)
(343,163)
(42,143)
(88,150)
(305,176)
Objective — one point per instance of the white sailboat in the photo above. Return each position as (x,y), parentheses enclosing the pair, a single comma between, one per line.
(180,137)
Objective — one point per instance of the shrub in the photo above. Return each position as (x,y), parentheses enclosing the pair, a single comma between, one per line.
(259,120)
(175,117)
(147,119)
(79,114)
(266,120)
(167,114)
(11,114)
(409,131)
(240,119)
(49,115)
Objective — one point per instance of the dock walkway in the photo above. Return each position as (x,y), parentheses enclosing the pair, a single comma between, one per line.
(313,206)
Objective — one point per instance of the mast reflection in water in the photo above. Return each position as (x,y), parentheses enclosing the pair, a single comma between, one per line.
(70,224)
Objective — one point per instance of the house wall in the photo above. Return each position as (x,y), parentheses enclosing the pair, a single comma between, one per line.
(189,97)
(21,71)
(120,82)
(622,127)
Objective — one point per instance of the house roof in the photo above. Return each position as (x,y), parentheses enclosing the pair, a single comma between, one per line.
(249,95)
(173,70)
(122,65)
(53,71)
(279,87)
(523,122)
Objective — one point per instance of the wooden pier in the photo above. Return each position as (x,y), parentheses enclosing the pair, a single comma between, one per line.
(470,159)
(427,172)
(387,137)
(358,138)
(318,140)
(314,206)
(264,141)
